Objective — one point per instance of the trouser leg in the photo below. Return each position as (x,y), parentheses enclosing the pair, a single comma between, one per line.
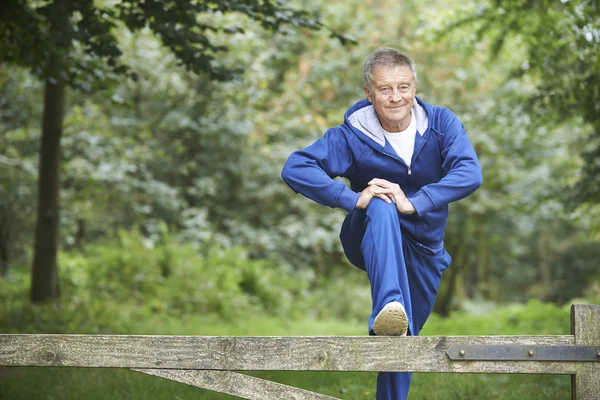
(372,241)
(393,385)
(424,271)
(424,268)
(399,269)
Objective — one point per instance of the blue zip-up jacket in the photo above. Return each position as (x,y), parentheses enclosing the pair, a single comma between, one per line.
(444,168)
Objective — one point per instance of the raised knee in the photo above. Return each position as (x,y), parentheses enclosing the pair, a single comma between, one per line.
(378,207)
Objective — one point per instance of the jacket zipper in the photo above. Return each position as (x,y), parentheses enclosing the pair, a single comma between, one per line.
(415,154)
(397,159)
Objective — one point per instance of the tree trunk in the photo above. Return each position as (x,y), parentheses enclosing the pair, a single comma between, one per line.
(79,234)
(454,285)
(482,263)
(44,279)
(544,264)
(4,236)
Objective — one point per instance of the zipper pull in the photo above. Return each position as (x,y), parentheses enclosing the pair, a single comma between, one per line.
(409,171)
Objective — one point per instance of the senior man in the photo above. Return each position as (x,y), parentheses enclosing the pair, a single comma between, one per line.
(406,161)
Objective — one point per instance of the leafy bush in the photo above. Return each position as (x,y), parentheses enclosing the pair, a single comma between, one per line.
(132,285)
(176,279)
(131,279)
(342,296)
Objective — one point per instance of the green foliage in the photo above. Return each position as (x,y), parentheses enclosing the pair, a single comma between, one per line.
(133,285)
(18,145)
(76,43)
(133,279)
(529,131)
(554,47)
(345,296)
(82,34)
(203,158)
(176,280)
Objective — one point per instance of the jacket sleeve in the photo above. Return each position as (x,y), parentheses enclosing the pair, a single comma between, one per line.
(460,163)
(310,171)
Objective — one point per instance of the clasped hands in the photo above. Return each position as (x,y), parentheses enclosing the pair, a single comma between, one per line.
(388,192)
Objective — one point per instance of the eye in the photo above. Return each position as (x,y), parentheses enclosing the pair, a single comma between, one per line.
(404,88)
(384,89)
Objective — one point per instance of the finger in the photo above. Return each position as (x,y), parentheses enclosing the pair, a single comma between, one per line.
(384,198)
(375,188)
(380,182)
(382,190)
(383,193)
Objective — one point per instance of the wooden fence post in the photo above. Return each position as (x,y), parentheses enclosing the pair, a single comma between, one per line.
(585,326)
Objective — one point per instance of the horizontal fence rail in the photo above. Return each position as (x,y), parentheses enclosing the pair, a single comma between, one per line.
(247,353)
(209,361)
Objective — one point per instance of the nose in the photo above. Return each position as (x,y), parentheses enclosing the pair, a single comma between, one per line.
(396,95)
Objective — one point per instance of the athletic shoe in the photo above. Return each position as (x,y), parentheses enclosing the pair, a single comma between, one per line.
(391,320)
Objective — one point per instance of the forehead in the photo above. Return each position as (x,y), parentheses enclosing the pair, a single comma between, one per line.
(391,74)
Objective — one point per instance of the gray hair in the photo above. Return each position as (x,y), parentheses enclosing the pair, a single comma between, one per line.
(386,57)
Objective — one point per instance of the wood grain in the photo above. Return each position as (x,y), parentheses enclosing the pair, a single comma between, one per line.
(328,353)
(236,384)
(585,326)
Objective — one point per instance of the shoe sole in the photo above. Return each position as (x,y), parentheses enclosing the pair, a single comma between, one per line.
(391,321)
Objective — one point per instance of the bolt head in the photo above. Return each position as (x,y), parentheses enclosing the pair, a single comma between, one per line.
(461,353)
(530,353)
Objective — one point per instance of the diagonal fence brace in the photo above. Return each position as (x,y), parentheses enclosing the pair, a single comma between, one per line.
(482,352)
(235,384)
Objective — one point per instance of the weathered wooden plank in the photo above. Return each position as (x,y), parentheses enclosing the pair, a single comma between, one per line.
(585,326)
(236,384)
(329,353)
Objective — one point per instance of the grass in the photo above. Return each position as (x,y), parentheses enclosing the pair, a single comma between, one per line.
(535,318)
(103,384)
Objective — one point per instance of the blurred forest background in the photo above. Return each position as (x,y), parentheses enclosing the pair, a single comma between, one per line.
(162,151)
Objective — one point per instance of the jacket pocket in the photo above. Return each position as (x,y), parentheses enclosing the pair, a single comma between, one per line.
(437,257)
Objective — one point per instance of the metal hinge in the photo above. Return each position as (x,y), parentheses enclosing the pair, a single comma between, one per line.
(484,352)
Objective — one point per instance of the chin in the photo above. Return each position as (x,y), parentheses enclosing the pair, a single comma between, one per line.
(395,117)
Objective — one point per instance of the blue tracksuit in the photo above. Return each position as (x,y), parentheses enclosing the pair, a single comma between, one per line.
(403,255)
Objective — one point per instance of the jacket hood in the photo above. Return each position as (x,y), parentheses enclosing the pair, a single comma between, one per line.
(362,117)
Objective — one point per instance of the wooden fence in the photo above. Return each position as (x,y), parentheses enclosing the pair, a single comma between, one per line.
(209,362)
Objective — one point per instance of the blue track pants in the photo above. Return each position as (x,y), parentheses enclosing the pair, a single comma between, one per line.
(399,269)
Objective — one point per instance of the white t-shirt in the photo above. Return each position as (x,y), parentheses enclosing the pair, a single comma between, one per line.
(404,142)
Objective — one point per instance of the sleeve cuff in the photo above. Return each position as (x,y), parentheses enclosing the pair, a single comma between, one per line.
(422,202)
(347,199)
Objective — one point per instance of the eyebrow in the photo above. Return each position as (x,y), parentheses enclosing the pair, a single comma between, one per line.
(380,85)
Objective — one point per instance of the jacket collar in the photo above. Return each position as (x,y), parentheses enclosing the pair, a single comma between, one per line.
(362,115)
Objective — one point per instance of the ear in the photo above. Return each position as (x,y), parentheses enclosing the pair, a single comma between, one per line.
(368,94)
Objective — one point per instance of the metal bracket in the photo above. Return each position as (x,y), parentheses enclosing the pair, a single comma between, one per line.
(484,352)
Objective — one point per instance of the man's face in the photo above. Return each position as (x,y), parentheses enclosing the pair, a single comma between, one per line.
(392,93)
